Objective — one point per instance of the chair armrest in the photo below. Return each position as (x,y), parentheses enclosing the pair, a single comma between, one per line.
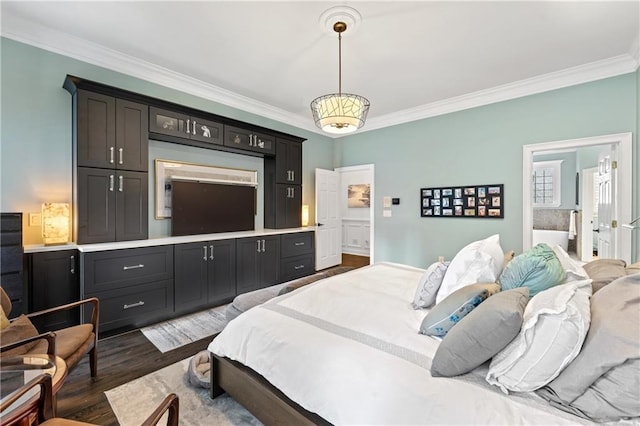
(92,300)
(171,403)
(49,337)
(45,400)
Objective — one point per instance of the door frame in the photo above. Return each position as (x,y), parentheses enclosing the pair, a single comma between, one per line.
(624,183)
(586,195)
(371,169)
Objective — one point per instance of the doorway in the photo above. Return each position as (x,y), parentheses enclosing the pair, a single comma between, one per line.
(621,193)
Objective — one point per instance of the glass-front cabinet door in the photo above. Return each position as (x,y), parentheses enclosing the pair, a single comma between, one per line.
(248,140)
(206,130)
(167,122)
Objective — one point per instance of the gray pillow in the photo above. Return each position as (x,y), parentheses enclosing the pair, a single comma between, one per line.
(604,271)
(454,307)
(481,334)
(591,385)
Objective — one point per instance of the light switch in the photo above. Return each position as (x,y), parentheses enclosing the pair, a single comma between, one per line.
(386,213)
(35,219)
(386,202)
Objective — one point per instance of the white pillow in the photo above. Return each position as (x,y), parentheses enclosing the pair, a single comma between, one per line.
(574,270)
(429,284)
(554,327)
(478,262)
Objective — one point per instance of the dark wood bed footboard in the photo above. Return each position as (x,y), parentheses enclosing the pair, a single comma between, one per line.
(257,395)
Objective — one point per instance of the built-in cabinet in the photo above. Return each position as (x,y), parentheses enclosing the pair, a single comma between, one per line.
(111,179)
(283,186)
(205,274)
(11,271)
(135,286)
(53,278)
(185,126)
(249,140)
(257,262)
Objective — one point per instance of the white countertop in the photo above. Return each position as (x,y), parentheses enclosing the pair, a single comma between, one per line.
(86,248)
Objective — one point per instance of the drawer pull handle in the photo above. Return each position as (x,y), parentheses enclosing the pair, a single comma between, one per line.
(126,268)
(133,305)
(299,244)
(298,267)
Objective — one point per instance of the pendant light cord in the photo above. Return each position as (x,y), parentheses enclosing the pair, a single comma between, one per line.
(340,63)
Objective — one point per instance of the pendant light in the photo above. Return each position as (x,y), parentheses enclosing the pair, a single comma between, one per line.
(340,113)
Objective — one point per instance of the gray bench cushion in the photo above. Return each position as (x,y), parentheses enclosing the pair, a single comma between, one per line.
(244,302)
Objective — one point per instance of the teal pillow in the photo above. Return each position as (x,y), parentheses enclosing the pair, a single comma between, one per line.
(538,268)
(454,307)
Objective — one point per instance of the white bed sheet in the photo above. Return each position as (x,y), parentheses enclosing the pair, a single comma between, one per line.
(348,349)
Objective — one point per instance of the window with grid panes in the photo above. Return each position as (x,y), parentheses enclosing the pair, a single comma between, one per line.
(547,183)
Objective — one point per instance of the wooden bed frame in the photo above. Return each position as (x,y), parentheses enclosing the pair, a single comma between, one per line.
(256,394)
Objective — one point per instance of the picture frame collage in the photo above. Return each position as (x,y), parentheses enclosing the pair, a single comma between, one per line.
(471,201)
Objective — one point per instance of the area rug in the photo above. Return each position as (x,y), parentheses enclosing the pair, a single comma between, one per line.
(133,402)
(180,331)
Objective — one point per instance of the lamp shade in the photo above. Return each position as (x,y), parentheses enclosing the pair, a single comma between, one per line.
(340,113)
(55,223)
(305,215)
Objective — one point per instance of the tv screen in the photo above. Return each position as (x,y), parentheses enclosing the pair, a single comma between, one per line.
(205,207)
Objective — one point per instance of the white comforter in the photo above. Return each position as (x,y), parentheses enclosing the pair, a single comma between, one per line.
(348,349)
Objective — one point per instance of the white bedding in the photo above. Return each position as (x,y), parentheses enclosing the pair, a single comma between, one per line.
(348,348)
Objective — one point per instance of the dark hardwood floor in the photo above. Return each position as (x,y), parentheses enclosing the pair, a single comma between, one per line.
(123,358)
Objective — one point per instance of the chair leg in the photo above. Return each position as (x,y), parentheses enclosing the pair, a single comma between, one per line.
(93,361)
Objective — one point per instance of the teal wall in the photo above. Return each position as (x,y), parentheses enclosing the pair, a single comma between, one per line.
(476,146)
(35,137)
(479,146)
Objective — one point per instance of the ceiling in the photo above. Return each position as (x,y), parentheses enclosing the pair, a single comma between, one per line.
(410,59)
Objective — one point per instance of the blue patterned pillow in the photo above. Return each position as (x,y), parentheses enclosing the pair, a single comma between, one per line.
(454,307)
(538,268)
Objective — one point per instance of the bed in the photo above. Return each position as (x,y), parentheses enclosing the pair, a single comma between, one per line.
(346,350)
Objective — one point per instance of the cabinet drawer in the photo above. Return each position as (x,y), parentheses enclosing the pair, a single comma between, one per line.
(11,258)
(296,244)
(135,306)
(122,268)
(12,284)
(296,267)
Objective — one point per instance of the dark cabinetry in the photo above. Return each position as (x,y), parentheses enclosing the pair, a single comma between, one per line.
(111,133)
(249,140)
(112,205)
(135,286)
(53,281)
(296,255)
(257,262)
(111,167)
(11,261)
(184,126)
(283,186)
(205,274)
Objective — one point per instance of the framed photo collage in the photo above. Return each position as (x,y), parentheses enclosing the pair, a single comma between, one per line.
(474,201)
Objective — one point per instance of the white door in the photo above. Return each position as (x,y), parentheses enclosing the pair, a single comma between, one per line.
(328,220)
(606,205)
(588,196)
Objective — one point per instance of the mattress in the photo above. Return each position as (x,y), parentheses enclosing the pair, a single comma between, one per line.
(348,348)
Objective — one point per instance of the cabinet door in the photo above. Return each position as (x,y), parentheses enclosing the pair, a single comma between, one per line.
(168,122)
(132,204)
(53,281)
(96,130)
(96,206)
(270,261)
(206,131)
(191,263)
(288,162)
(248,140)
(222,271)
(288,206)
(247,276)
(132,136)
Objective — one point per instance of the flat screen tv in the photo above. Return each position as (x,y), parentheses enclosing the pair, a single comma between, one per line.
(204,207)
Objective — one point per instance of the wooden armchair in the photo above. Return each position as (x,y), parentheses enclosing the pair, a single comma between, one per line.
(45,406)
(71,343)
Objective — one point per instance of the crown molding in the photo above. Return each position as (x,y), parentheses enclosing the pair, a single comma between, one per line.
(593,71)
(33,34)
